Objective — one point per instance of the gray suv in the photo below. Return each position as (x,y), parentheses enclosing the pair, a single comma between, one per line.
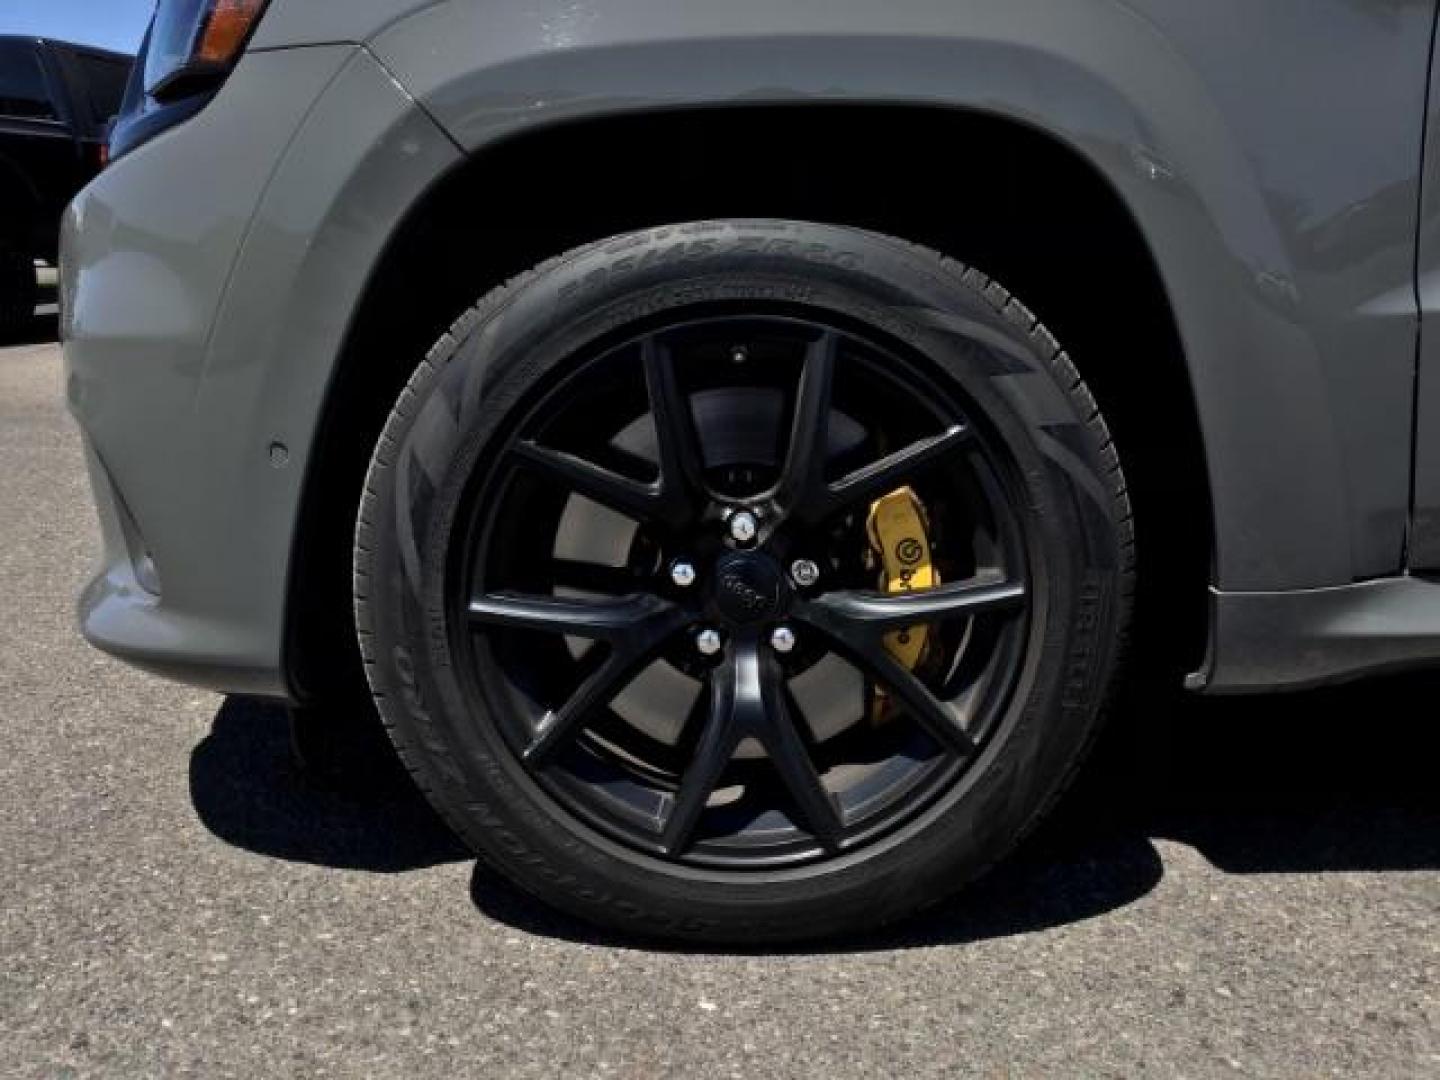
(736,444)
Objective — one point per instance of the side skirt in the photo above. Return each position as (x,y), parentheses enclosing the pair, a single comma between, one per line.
(1293,640)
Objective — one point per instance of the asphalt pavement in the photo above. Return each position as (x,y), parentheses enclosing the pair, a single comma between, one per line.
(1244,887)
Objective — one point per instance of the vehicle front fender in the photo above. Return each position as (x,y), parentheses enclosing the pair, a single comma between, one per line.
(1280,211)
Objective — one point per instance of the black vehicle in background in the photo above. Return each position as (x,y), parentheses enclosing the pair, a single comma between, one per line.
(56,101)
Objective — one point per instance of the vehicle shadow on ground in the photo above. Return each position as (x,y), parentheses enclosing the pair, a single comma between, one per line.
(249,792)
(1339,780)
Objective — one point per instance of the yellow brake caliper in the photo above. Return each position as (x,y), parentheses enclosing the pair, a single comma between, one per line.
(900,543)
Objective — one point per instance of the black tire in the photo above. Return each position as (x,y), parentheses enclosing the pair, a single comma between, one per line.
(451,422)
(18,291)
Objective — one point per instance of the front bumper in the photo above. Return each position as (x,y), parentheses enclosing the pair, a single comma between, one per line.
(207,282)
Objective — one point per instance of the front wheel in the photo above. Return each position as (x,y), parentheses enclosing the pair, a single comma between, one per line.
(744,581)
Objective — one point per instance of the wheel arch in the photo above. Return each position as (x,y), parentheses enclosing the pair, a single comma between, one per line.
(514,203)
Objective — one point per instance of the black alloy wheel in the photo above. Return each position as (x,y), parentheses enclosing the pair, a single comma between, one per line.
(623,610)
(735,519)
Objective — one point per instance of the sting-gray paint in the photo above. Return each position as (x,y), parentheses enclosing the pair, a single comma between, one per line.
(1268,150)
(1425,539)
(183,383)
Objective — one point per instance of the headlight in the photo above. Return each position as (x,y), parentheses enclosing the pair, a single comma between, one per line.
(195,43)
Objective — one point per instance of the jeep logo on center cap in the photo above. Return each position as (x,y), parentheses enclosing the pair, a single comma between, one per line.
(740,590)
(749,588)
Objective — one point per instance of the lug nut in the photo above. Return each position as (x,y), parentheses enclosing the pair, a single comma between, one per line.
(708,642)
(682,573)
(805,573)
(743,526)
(782,639)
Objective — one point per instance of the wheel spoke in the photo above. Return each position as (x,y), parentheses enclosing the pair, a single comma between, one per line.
(891,471)
(678,443)
(857,622)
(632,498)
(937,717)
(636,621)
(597,690)
(734,703)
(819,812)
(748,700)
(877,613)
(634,627)
(802,478)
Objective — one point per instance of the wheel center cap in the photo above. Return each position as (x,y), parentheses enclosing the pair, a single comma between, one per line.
(749,588)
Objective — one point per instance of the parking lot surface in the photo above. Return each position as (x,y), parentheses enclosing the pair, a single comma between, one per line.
(1245,887)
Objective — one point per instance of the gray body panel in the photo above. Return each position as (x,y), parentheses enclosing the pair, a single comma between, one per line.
(186,367)
(1269,151)
(309,22)
(1425,539)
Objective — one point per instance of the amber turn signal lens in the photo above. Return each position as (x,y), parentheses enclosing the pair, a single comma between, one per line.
(225,32)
